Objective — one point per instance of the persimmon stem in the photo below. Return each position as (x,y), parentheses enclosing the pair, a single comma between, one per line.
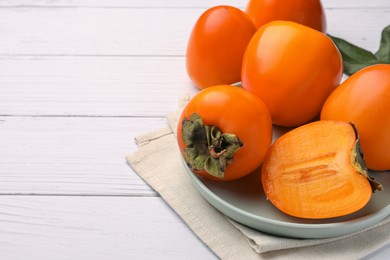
(215,154)
(207,147)
(360,165)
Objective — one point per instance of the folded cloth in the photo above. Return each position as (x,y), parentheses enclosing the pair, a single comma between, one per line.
(158,163)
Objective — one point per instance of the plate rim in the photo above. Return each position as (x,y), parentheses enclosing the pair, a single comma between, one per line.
(328,229)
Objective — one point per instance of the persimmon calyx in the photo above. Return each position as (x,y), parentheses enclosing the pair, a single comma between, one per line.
(357,159)
(207,147)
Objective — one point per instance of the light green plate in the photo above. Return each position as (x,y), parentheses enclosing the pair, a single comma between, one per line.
(244,201)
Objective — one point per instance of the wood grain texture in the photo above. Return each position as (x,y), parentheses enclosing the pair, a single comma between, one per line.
(92,86)
(98,84)
(125,83)
(94,228)
(71,155)
(139,31)
(174,3)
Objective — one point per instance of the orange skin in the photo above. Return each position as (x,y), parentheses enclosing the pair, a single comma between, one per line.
(216,46)
(364,99)
(306,12)
(293,69)
(234,111)
(308,172)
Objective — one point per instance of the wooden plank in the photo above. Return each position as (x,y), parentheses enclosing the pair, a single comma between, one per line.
(64,31)
(174,3)
(94,228)
(65,155)
(347,4)
(117,86)
(104,86)
(157,32)
(365,26)
(120,3)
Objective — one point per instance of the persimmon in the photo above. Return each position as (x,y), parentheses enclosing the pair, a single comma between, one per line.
(224,133)
(364,99)
(293,69)
(306,12)
(216,46)
(316,171)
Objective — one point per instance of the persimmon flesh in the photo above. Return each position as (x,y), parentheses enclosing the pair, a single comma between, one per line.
(316,171)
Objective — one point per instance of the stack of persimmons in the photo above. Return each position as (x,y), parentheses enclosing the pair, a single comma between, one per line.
(289,73)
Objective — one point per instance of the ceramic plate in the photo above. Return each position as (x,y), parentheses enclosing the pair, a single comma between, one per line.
(244,201)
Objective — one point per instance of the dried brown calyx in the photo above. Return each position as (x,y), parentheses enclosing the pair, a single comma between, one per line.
(207,147)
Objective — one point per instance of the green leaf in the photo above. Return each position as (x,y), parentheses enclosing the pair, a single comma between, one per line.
(383,54)
(356,58)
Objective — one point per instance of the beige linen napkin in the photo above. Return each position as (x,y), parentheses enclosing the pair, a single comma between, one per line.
(157,162)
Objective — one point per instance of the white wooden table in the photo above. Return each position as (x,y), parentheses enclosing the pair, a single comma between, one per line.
(80,79)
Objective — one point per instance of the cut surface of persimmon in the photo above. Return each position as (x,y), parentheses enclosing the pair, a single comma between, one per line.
(316,171)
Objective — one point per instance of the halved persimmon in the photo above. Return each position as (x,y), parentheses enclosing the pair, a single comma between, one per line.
(316,171)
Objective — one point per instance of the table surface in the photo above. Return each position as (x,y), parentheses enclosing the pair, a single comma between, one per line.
(80,79)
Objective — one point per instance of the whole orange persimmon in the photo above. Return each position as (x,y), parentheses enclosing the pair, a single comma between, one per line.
(224,132)
(306,12)
(293,69)
(216,46)
(364,99)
